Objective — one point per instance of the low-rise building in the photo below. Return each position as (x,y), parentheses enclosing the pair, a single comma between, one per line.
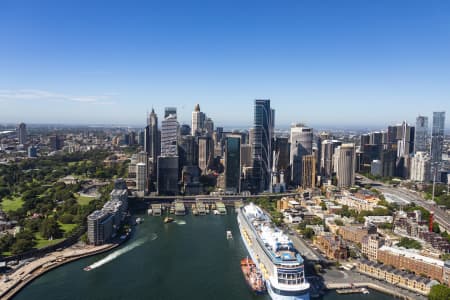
(412,261)
(370,245)
(417,284)
(356,234)
(332,246)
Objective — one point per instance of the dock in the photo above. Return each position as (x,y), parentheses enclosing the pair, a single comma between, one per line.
(180,210)
(352,291)
(157,209)
(201,208)
(220,206)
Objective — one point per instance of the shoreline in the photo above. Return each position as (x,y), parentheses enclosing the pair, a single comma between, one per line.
(41,268)
(376,287)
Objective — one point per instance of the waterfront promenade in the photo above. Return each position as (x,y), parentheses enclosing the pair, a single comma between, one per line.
(22,276)
(340,279)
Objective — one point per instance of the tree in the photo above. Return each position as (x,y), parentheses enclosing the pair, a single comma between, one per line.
(22,245)
(339,222)
(50,229)
(308,233)
(439,292)
(409,244)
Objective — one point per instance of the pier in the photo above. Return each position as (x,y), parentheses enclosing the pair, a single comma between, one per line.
(157,209)
(180,210)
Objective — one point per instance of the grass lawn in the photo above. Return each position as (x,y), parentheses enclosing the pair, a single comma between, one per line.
(42,242)
(67,227)
(11,204)
(83,200)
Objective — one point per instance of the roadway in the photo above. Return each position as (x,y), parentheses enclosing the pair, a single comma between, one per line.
(440,215)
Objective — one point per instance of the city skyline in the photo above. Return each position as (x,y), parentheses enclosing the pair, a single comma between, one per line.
(337,64)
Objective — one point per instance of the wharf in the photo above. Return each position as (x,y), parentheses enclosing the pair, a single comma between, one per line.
(201,208)
(180,210)
(157,209)
(220,206)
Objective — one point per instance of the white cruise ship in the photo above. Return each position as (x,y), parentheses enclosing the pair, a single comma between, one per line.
(274,255)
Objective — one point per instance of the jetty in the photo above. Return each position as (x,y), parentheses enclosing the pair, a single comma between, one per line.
(220,206)
(180,210)
(201,208)
(157,209)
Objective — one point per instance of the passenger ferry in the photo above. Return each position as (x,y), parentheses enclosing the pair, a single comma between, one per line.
(274,255)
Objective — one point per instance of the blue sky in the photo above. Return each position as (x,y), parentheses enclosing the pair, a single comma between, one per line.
(321,62)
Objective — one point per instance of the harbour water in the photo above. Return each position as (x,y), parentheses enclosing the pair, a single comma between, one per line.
(190,258)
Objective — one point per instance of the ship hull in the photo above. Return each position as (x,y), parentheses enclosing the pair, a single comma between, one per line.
(275,296)
(256,258)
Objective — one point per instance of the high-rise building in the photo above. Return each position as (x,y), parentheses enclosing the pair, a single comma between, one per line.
(364,139)
(376,138)
(170,111)
(198,121)
(246,156)
(421,167)
(345,165)
(56,142)
(327,163)
(22,133)
(188,151)
(262,145)
(205,152)
(141,177)
(283,149)
(32,152)
(437,137)
(421,132)
(309,171)
(232,164)
(405,139)
(152,137)
(301,145)
(100,227)
(169,136)
(209,126)
(168,175)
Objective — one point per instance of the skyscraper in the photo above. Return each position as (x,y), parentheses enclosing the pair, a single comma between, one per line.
(152,135)
(205,152)
(232,164)
(421,132)
(22,133)
(405,139)
(198,121)
(437,137)
(301,145)
(308,171)
(167,163)
(141,177)
(421,167)
(326,164)
(262,145)
(169,136)
(170,111)
(345,165)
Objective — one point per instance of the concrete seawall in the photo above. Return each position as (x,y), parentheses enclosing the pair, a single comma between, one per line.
(38,270)
(335,286)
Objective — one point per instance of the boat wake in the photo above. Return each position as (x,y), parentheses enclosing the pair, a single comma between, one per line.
(120,252)
(153,236)
(180,222)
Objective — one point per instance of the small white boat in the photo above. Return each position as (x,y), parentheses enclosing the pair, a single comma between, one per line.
(150,211)
(216,212)
(229,235)
(139,220)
